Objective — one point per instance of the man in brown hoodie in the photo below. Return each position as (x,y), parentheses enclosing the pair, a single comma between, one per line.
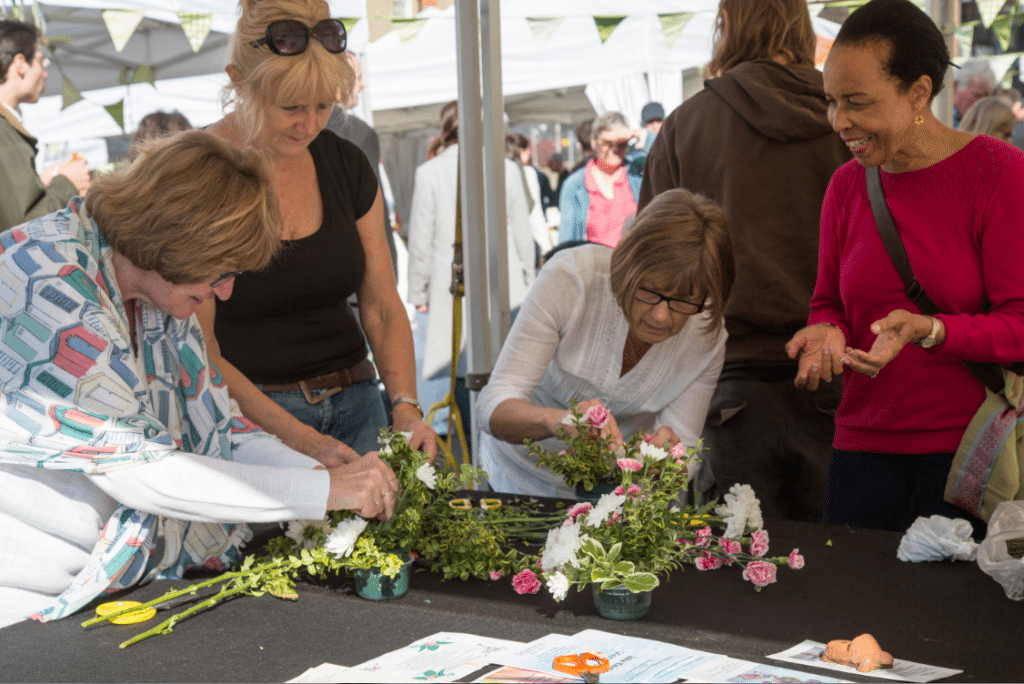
(757,140)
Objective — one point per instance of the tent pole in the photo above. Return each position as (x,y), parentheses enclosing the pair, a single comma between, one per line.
(946,15)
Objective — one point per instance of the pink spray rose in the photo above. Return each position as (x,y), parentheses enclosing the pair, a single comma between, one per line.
(678,451)
(527,583)
(619,491)
(634,490)
(761,573)
(759,543)
(579,509)
(496,574)
(796,561)
(597,416)
(630,464)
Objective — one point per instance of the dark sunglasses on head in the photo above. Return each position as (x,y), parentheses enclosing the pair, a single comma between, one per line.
(225,277)
(291,37)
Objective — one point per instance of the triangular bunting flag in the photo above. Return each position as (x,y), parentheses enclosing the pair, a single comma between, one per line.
(989,10)
(121,24)
(69,94)
(605,26)
(143,74)
(407,30)
(965,40)
(542,28)
(37,16)
(1002,27)
(116,112)
(1001,64)
(122,77)
(673,24)
(196,27)
(17,13)
(349,23)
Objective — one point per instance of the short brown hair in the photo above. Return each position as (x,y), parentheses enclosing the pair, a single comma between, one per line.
(681,242)
(266,79)
(761,29)
(17,38)
(189,207)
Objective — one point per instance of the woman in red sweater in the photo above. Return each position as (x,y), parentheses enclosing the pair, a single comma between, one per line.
(956,200)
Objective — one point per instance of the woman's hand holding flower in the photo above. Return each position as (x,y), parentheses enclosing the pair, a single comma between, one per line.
(599,418)
(820,348)
(663,437)
(367,487)
(405,418)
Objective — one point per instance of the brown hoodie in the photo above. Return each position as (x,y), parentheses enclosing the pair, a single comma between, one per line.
(758,142)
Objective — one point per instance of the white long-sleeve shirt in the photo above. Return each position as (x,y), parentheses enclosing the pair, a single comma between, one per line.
(567,344)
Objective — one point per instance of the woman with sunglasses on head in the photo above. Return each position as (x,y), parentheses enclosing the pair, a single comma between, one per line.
(637,330)
(288,328)
(596,201)
(122,459)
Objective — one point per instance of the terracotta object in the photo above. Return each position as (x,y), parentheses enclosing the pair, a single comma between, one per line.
(863,653)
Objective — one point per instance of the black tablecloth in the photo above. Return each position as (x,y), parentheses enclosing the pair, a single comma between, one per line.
(947,614)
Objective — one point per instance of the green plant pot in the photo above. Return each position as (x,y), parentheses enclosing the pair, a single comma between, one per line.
(372,585)
(620,603)
(594,495)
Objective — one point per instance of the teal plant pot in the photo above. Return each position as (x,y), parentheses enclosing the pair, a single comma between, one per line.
(594,495)
(620,603)
(373,585)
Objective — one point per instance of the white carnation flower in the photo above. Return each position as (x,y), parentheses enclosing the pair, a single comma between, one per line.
(605,508)
(741,510)
(341,542)
(648,450)
(561,547)
(427,475)
(558,585)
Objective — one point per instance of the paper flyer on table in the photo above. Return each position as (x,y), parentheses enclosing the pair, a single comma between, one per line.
(733,670)
(630,659)
(809,653)
(441,657)
(328,672)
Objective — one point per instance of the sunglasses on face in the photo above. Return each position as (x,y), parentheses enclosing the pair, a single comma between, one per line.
(225,277)
(291,37)
(678,305)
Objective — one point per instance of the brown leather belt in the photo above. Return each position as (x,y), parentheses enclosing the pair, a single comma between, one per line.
(335,382)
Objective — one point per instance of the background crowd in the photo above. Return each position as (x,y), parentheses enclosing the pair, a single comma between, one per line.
(214,333)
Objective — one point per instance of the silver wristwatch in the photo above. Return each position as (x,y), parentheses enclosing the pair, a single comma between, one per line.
(933,337)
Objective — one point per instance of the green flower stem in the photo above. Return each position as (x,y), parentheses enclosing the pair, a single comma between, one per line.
(167,626)
(169,596)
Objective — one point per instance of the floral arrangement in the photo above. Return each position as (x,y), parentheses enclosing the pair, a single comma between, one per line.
(587,457)
(638,533)
(449,534)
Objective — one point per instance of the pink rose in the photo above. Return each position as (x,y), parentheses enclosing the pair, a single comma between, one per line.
(759,543)
(527,583)
(619,491)
(678,451)
(796,561)
(630,464)
(633,490)
(579,509)
(496,574)
(761,573)
(597,416)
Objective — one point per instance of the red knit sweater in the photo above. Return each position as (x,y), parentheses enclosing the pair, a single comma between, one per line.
(962,223)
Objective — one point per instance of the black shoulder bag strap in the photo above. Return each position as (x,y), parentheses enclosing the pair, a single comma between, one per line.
(990,374)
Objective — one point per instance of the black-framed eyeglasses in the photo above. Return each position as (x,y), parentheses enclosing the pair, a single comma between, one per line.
(291,37)
(225,277)
(678,305)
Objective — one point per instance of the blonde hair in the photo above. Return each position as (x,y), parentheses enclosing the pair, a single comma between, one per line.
(989,116)
(680,241)
(265,79)
(761,29)
(189,207)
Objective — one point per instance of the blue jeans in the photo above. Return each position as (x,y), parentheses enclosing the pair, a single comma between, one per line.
(354,416)
(889,491)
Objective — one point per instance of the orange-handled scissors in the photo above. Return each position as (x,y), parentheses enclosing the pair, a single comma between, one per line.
(586,665)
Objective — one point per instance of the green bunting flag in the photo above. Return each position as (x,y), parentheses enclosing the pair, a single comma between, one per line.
(605,26)
(37,16)
(69,94)
(349,23)
(121,24)
(989,10)
(116,112)
(407,29)
(1001,64)
(673,24)
(964,40)
(196,27)
(143,74)
(1002,27)
(542,28)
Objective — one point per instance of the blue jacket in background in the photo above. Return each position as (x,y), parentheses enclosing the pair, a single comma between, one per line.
(574,202)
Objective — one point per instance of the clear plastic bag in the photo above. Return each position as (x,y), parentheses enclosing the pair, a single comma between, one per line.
(937,538)
(1006,523)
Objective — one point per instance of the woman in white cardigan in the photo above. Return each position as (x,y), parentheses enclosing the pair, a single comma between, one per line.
(637,329)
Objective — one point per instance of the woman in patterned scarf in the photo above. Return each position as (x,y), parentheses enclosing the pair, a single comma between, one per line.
(122,458)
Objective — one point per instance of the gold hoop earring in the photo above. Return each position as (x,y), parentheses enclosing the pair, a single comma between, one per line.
(919,119)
